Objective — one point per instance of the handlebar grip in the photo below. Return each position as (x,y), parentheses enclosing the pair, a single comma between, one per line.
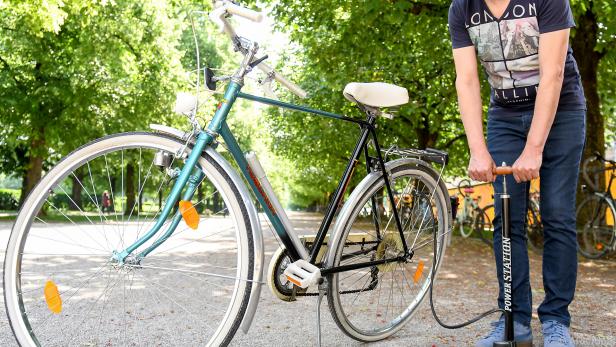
(243,12)
(503,170)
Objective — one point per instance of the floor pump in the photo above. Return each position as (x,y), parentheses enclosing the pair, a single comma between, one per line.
(506,244)
(506,248)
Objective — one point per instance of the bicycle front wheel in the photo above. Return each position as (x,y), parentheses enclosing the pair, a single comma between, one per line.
(374,302)
(595,226)
(62,287)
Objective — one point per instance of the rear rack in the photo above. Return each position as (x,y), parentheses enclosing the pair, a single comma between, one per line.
(429,154)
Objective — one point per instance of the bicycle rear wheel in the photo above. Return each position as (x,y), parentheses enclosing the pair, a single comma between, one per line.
(534,228)
(193,289)
(372,303)
(595,226)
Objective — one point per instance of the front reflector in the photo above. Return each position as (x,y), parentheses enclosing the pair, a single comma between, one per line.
(189,213)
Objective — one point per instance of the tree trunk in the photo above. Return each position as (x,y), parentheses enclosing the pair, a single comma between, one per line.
(140,207)
(130,190)
(200,207)
(215,203)
(76,189)
(113,191)
(34,169)
(588,62)
(425,138)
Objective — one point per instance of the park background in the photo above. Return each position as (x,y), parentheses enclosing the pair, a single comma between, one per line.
(75,70)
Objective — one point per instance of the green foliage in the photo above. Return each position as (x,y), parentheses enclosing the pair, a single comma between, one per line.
(605,14)
(7,201)
(74,71)
(400,42)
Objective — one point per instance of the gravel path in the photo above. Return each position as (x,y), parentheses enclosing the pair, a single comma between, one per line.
(466,286)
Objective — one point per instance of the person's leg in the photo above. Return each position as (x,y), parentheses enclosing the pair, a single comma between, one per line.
(506,141)
(559,177)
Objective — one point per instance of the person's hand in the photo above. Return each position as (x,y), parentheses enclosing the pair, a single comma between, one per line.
(528,164)
(481,166)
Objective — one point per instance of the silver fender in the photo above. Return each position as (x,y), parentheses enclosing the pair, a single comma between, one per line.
(368,181)
(257,236)
(257,233)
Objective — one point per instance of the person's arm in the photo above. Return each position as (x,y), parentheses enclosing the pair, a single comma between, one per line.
(552,55)
(481,165)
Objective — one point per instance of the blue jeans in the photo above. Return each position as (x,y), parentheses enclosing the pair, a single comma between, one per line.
(558,183)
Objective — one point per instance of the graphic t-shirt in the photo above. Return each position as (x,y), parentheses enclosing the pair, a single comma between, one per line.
(508,49)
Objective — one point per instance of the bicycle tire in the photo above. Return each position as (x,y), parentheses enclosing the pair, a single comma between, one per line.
(369,326)
(21,320)
(595,236)
(534,228)
(466,228)
(484,225)
(464,183)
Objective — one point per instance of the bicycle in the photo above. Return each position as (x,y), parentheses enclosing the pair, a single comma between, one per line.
(140,274)
(471,218)
(534,229)
(596,230)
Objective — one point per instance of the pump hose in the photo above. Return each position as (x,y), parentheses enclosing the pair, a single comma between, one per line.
(438,320)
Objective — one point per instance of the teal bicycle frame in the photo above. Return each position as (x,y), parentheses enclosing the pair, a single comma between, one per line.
(191,175)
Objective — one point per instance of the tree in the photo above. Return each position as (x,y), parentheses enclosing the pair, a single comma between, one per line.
(400,42)
(406,42)
(71,72)
(594,47)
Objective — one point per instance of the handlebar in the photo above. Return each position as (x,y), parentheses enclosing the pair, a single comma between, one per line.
(294,88)
(219,16)
(247,13)
(592,182)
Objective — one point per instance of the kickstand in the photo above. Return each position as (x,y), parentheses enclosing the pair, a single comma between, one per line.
(322,289)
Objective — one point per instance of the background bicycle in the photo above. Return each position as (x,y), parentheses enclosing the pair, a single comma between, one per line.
(471,219)
(596,231)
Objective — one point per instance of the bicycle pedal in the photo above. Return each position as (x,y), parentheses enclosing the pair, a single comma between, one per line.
(303,274)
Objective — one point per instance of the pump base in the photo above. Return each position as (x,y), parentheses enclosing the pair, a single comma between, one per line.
(505,344)
(513,344)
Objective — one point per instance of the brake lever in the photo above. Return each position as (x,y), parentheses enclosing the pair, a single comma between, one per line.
(258,61)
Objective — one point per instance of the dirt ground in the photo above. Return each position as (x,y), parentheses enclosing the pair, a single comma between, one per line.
(466,286)
(469,271)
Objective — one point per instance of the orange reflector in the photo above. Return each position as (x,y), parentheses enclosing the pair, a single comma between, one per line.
(294,281)
(599,246)
(52,297)
(418,272)
(189,213)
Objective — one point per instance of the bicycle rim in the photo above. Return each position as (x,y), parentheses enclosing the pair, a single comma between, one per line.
(192,289)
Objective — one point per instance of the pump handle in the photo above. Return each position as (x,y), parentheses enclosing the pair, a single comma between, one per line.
(503,170)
